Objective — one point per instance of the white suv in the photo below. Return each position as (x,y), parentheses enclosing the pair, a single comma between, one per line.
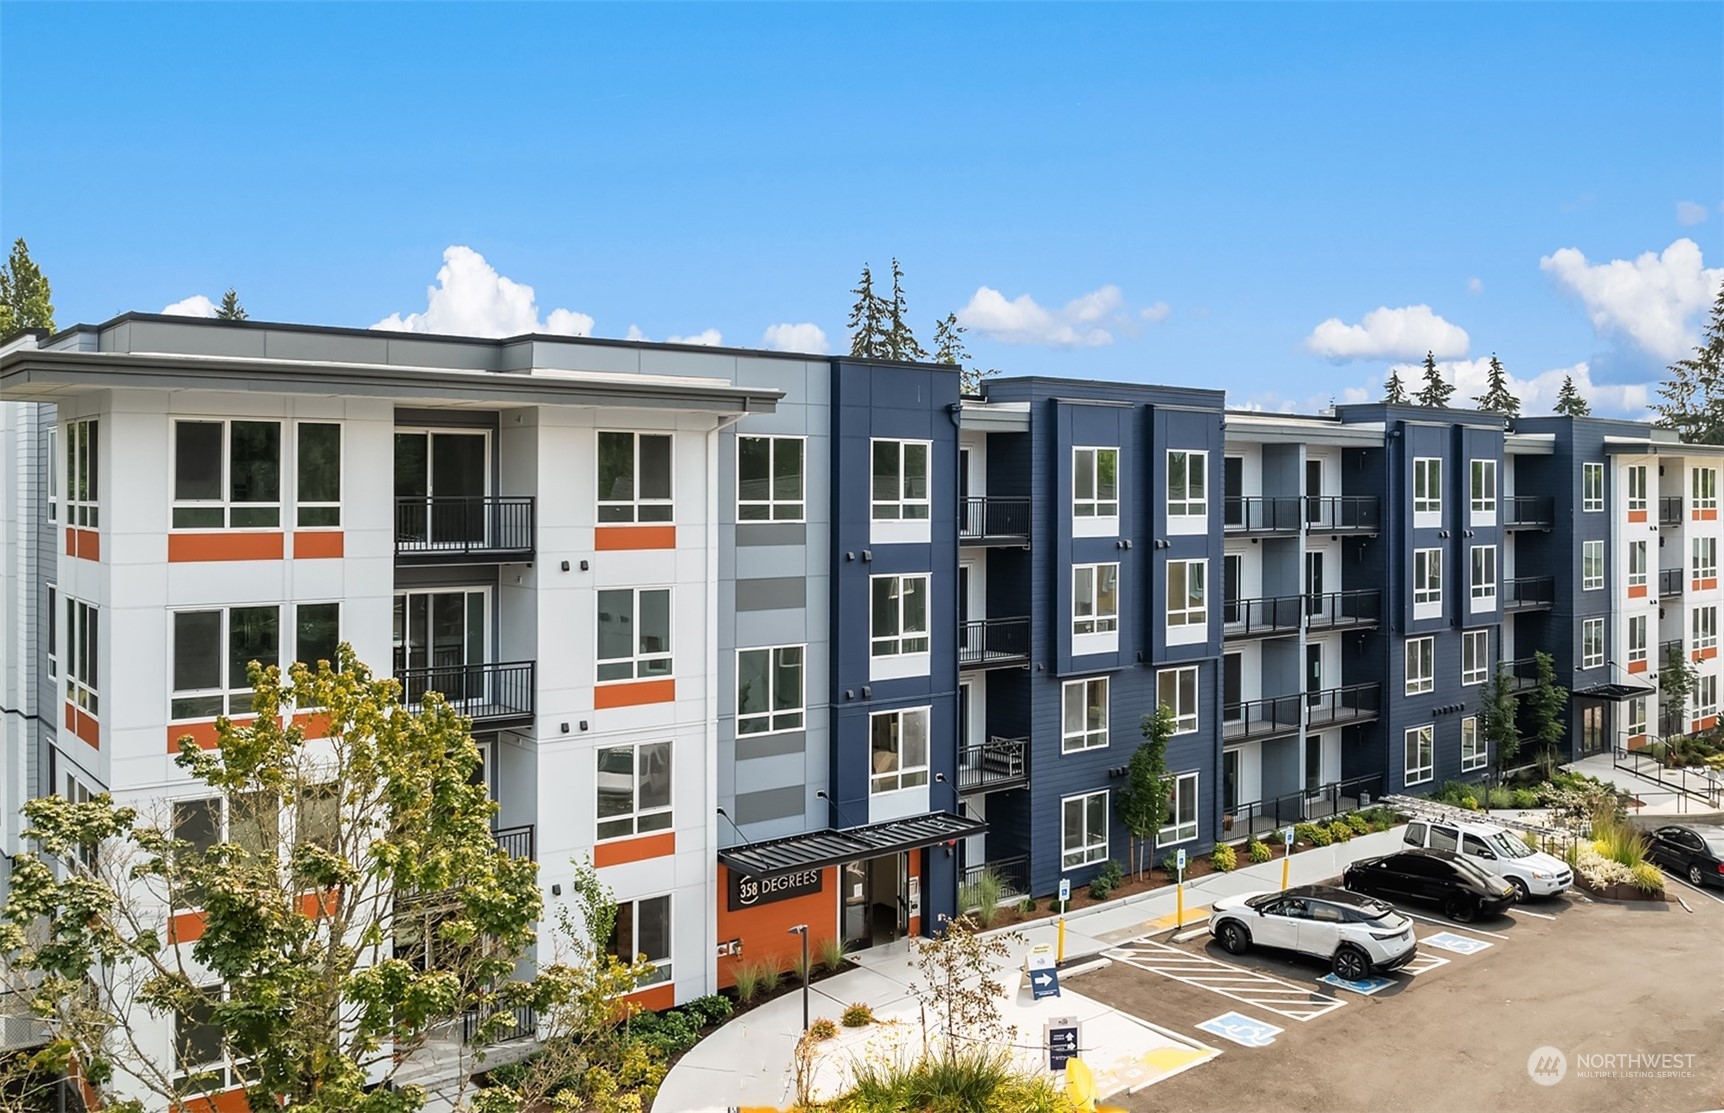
(1495,850)
(1358,935)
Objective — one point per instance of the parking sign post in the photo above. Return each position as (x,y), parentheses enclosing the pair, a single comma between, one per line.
(1287,858)
(1179,891)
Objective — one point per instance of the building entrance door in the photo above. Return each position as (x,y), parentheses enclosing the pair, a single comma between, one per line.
(876,901)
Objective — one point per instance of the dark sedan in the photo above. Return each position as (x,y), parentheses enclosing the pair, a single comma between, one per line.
(1441,877)
(1695,853)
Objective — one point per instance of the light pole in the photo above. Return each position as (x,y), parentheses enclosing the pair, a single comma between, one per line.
(802,930)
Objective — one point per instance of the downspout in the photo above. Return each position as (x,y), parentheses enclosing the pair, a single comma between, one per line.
(710,968)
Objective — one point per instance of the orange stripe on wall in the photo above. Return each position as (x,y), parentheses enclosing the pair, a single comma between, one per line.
(1637,592)
(656,998)
(204,737)
(614,538)
(1705,654)
(624,851)
(72,718)
(88,545)
(1637,515)
(186,927)
(228,1101)
(315,544)
(193,547)
(1637,666)
(634,693)
(89,730)
(1706,515)
(71,542)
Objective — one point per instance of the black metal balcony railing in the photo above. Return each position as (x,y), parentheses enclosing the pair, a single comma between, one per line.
(998,763)
(467,528)
(1014,875)
(1260,514)
(523,1023)
(1670,510)
(1670,582)
(1523,673)
(516,842)
(1341,513)
(1354,703)
(1667,650)
(491,694)
(1525,592)
(994,518)
(1262,718)
(1262,618)
(1259,817)
(1529,512)
(1332,609)
(992,643)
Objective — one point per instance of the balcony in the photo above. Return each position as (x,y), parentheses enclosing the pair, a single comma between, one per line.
(1343,610)
(1523,674)
(994,643)
(1669,649)
(1262,618)
(1341,513)
(467,530)
(1670,582)
(1014,875)
(1529,512)
(1670,510)
(1525,593)
(1333,707)
(494,695)
(1322,802)
(994,521)
(1262,718)
(998,763)
(1258,514)
(516,842)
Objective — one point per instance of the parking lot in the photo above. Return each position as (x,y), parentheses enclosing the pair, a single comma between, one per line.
(1461,1028)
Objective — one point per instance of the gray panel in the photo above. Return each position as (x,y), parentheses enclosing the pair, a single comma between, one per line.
(185,338)
(773,803)
(284,344)
(772,533)
(779,593)
(770,745)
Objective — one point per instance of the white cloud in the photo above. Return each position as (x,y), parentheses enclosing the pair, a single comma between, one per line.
(472,299)
(1157,313)
(1650,300)
(1690,213)
(1475,285)
(195,306)
(1538,394)
(804,337)
(635,333)
(710,338)
(1022,321)
(1385,333)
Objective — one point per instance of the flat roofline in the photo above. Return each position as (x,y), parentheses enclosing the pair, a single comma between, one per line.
(1060,388)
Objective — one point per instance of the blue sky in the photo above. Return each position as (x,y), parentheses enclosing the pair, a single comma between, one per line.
(1168,193)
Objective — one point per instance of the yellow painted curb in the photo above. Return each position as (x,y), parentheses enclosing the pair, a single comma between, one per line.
(1172,919)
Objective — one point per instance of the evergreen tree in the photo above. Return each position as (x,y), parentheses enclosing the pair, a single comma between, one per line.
(1569,401)
(949,341)
(1694,394)
(25,299)
(1437,389)
(230,308)
(1394,391)
(901,342)
(1546,702)
(868,319)
(1496,399)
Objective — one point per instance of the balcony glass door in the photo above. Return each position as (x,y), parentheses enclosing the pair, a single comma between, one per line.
(446,476)
(1233,687)
(1233,491)
(1313,491)
(440,644)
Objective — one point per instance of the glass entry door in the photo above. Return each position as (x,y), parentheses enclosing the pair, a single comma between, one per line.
(440,644)
(441,480)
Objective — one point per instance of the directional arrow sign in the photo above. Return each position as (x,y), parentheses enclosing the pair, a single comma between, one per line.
(1044,983)
(1062,1040)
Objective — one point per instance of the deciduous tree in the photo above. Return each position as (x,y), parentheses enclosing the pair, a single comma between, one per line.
(1546,702)
(958,983)
(1499,709)
(1147,792)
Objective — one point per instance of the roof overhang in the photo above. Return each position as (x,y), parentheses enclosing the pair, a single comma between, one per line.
(834,847)
(1615,446)
(1613,693)
(1256,427)
(994,417)
(1529,444)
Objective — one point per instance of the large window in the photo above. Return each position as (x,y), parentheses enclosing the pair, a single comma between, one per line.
(1637,564)
(1427,485)
(634,633)
(1083,829)
(1636,638)
(1592,487)
(769,479)
(1484,582)
(251,822)
(1704,628)
(634,789)
(900,476)
(1421,667)
(634,477)
(317,497)
(1085,715)
(1636,716)
(1705,697)
(1704,551)
(53,473)
(1095,482)
(898,749)
(1176,690)
(1592,643)
(200,1057)
(1419,754)
(642,933)
(83,643)
(212,653)
(317,632)
(1186,583)
(1473,754)
(1704,487)
(1181,811)
(82,460)
(227,475)
(1637,487)
(898,623)
(1484,487)
(769,690)
(1095,598)
(1475,656)
(53,632)
(1187,484)
(1591,565)
(1427,577)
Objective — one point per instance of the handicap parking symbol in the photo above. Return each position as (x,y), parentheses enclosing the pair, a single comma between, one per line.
(1241,1029)
(1460,944)
(1366,986)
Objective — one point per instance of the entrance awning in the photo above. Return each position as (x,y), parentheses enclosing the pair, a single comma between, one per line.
(817,849)
(1613,693)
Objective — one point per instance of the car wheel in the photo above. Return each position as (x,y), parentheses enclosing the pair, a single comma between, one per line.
(1233,937)
(1521,892)
(1460,910)
(1351,966)
(1695,876)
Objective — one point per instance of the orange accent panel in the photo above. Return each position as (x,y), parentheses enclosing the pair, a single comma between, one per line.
(313,904)
(1637,515)
(228,1101)
(765,928)
(316,544)
(1709,584)
(71,542)
(618,538)
(1637,666)
(89,730)
(1706,654)
(193,547)
(1636,741)
(186,927)
(72,718)
(1638,592)
(634,693)
(203,735)
(634,850)
(655,999)
(1705,515)
(85,544)
(1707,723)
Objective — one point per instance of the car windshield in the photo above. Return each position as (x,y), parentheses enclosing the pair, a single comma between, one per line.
(1714,843)
(1507,846)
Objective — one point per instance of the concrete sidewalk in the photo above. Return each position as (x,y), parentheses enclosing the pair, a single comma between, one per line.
(1660,794)
(748,1061)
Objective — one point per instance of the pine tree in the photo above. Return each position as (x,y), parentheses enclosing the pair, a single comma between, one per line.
(25,298)
(1394,391)
(901,343)
(1694,393)
(868,319)
(1569,401)
(949,341)
(1497,399)
(1437,389)
(230,308)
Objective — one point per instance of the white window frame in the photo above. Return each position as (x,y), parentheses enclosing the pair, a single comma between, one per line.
(1427,582)
(233,694)
(1427,488)
(902,775)
(1086,461)
(650,511)
(904,640)
(222,1075)
(1091,736)
(1591,565)
(1704,626)
(227,505)
(54,473)
(1419,743)
(1191,609)
(1705,698)
(772,508)
(1636,487)
(775,719)
(1591,487)
(643,664)
(1474,752)
(640,820)
(1192,499)
(902,506)
(1181,827)
(1419,665)
(1592,643)
(1636,634)
(1185,700)
(53,639)
(1094,845)
(1703,552)
(1637,564)
(661,967)
(1635,716)
(1475,656)
(1097,621)
(83,465)
(1484,577)
(1704,488)
(1483,489)
(82,643)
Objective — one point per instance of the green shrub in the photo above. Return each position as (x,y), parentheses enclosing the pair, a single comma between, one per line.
(666,1032)
(1312,833)
(1525,798)
(712,1009)
(1026,906)
(975,1078)
(1459,794)
(1224,858)
(1500,796)
(1340,832)
(756,979)
(823,1029)
(1359,824)
(1100,888)
(982,896)
(1617,840)
(1259,851)
(1114,872)
(1648,878)
(857,1014)
(802,966)
(832,952)
(1170,862)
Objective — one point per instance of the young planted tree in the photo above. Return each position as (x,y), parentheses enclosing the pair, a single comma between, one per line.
(1694,393)
(1395,391)
(1437,389)
(1497,398)
(230,309)
(1546,702)
(25,298)
(901,342)
(345,891)
(1148,790)
(1677,679)
(1570,401)
(1499,710)
(869,319)
(958,985)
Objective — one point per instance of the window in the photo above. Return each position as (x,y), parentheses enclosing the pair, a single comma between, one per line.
(83,644)
(1083,829)
(1592,643)
(1636,638)
(1185,592)
(211,654)
(1085,718)
(1591,565)
(1176,690)
(1705,558)
(316,633)
(1705,488)
(642,934)
(317,817)
(200,1055)
(900,480)
(1637,564)
(634,477)
(898,749)
(317,497)
(1484,573)
(1475,656)
(899,616)
(1427,485)
(82,459)
(634,789)
(1095,482)
(53,631)
(227,475)
(1421,667)
(1427,577)
(53,473)
(1592,487)
(1636,716)
(1420,754)
(1187,484)
(1705,628)
(1181,811)
(1095,598)
(1484,490)
(634,633)
(769,690)
(1705,697)
(1472,745)
(769,477)
(1637,487)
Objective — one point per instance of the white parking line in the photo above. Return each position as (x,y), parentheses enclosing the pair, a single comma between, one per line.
(1519,911)
(1422,964)
(1694,888)
(1449,923)
(1234,982)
